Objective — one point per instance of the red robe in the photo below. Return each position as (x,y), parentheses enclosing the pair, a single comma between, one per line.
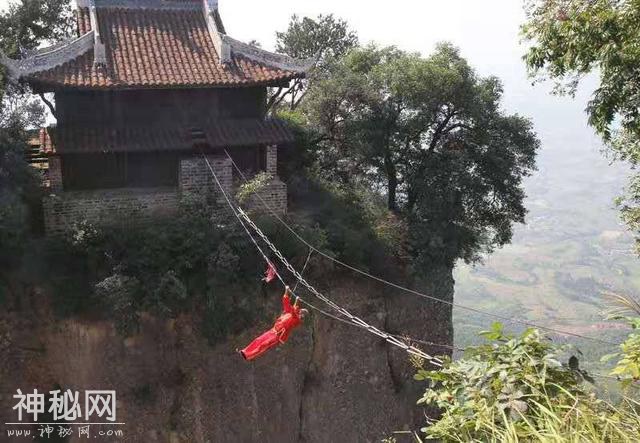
(283,326)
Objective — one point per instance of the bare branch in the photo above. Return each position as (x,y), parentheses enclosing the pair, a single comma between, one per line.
(49,104)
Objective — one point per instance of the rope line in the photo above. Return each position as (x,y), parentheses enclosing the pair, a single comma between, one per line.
(240,214)
(434,360)
(355,319)
(402,288)
(304,267)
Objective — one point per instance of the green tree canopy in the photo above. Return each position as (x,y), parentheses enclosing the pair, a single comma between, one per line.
(430,134)
(572,38)
(23,26)
(324,39)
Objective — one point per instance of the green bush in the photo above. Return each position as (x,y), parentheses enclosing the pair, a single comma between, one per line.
(628,358)
(120,293)
(516,389)
(256,184)
(357,227)
(198,261)
(168,267)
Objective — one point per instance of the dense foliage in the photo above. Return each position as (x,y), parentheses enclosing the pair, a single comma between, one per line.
(517,389)
(167,267)
(321,40)
(573,38)
(359,229)
(627,358)
(198,261)
(18,182)
(430,135)
(26,24)
(23,27)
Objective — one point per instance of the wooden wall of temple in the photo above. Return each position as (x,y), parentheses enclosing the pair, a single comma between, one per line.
(119,170)
(157,106)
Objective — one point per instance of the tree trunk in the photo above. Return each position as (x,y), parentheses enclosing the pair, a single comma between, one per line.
(392,182)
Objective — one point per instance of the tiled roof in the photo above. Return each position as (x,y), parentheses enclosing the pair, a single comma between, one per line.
(223,133)
(147,47)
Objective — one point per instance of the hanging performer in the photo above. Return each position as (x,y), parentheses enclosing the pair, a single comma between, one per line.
(288,320)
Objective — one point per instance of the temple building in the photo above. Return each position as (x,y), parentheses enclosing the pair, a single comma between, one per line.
(141,93)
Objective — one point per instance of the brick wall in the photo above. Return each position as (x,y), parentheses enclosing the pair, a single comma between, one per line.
(272,160)
(274,195)
(63,210)
(195,177)
(54,174)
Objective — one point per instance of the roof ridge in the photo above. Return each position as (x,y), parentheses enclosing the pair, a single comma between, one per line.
(280,61)
(143,4)
(194,46)
(49,58)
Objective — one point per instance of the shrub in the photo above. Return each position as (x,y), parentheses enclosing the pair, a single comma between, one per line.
(355,222)
(516,389)
(198,261)
(256,184)
(166,266)
(628,358)
(119,293)
(170,295)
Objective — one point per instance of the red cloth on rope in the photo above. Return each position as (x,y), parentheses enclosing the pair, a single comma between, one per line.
(270,273)
(279,333)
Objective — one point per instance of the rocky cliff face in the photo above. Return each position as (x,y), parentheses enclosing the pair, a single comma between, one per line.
(330,383)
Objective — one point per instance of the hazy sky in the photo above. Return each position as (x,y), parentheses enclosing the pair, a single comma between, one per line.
(487,32)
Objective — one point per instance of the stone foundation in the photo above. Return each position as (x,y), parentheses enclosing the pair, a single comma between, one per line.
(274,195)
(64,209)
(195,177)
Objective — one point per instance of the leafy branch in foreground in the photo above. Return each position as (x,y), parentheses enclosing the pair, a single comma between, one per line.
(628,365)
(255,185)
(517,389)
(572,39)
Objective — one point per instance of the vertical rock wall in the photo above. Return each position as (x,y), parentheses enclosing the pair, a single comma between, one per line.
(331,382)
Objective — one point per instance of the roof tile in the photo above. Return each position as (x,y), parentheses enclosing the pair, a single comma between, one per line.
(222,133)
(156,48)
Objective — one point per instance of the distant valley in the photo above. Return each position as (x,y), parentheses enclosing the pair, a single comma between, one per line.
(571,250)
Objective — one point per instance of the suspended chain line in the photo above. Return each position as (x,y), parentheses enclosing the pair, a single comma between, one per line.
(304,267)
(402,288)
(264,255)
(342,320)
(354,319)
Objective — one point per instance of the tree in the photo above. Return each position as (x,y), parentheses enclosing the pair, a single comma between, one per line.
(324,39)
(430,134)
(572,38)
(23,27)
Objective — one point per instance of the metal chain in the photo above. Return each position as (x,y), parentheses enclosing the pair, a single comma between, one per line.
(239,213)
(355,319)
(303,268)
(412,291)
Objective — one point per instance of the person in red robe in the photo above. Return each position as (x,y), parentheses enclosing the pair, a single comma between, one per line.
(290,318)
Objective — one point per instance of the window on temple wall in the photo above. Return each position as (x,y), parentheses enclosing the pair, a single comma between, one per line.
(119,170)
